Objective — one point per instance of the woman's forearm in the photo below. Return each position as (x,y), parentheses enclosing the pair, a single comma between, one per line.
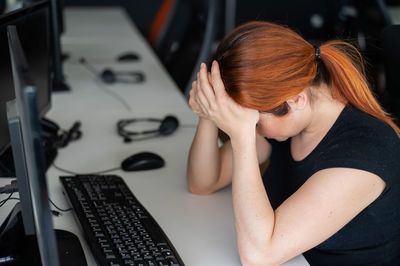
(254,216)
(203,162)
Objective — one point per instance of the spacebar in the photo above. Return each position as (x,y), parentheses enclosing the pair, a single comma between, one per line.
(153,230)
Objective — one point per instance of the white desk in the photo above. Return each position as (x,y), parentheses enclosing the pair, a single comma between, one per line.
(200,227)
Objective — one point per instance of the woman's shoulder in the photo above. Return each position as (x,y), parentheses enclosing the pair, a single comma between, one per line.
(360,141)
(356,126)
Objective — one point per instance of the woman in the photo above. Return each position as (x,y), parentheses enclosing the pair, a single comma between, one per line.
(332,188)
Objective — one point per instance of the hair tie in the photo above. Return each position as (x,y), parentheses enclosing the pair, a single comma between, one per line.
(317,52)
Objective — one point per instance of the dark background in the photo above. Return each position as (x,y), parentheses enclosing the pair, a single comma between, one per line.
(367,22)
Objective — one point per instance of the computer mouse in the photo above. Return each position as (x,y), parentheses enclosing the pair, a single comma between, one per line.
(128,57)
(108,76)
(142,161)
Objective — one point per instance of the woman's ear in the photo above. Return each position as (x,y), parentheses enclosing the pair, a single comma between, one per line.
(299,101)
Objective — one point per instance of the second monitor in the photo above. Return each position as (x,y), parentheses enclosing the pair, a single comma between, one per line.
(33,25)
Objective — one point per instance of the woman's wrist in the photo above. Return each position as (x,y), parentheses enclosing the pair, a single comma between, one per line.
(243,138)
(207,124)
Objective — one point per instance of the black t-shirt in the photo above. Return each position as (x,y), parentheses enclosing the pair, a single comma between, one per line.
(360,141)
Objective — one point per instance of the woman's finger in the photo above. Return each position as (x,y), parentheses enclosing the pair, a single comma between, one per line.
(200,101)
(198,81)
(194,84)
(205,84)
(201,98)
(216,80)
(192,100)
(196,107)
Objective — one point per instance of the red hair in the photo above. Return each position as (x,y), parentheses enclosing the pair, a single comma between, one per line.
(264,64)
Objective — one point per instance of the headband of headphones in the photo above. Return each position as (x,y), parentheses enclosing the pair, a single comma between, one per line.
(167,126)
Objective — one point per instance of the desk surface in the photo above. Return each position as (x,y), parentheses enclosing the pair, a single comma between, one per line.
(200,227)
(394,13)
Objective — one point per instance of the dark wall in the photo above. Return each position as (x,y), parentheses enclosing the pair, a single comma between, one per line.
(313,19)
(141,12)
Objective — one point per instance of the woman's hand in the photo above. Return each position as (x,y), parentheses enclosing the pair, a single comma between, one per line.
(209,100)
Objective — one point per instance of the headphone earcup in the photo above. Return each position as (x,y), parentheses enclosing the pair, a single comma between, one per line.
(108,76)
(168,125)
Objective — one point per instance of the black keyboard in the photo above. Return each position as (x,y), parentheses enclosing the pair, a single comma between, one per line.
(118,229)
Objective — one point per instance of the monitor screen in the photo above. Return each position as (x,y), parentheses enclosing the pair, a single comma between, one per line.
(32,24)
(29,149)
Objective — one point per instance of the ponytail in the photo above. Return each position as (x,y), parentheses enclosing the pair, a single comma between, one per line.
(345,67)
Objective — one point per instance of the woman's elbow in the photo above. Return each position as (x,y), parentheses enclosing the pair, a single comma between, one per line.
(198,191)
(255,261)
(258,258)
(195,188)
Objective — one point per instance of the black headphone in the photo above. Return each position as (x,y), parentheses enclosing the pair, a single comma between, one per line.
(110,76)
(167,126)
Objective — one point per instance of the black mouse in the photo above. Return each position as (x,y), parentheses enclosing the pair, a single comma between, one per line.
(142,161)
(128,57)
(108,76)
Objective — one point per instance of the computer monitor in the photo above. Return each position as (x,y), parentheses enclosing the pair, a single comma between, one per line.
(33,26)
(56,28)
(27,236)
(60,12)
(24,113)
(58,80)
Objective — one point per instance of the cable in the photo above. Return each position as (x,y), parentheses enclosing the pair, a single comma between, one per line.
(189,126)
(92,173)
(5,200)
(74,133)
(58,208)
(12,198)
(101,85)
(114,94)
(2,202)
(56,213)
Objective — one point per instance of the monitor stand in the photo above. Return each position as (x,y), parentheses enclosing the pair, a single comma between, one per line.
(7,168)
(50,138)
(16,248)
(60,86)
